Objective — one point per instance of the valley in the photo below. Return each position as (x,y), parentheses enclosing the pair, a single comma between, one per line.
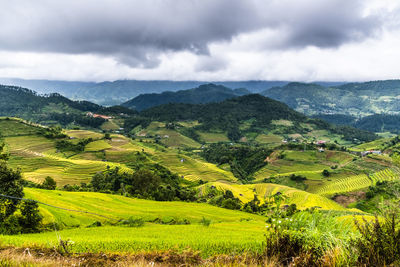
(187,176)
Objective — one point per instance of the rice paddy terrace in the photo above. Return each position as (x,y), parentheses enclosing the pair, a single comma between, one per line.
(37,157)
(167,225)
(93,220)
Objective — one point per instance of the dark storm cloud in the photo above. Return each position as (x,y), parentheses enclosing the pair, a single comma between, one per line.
(328,23)
(137,31)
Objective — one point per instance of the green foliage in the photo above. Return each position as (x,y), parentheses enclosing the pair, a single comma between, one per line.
(338,119)
(380,97)
(191,133)
(30,219)
(49,183)
(225,200)
(297,178)
(3,156)
(153,182)
(244,160)
(11,185)
(380,123)
(24,103)
(205,222)
(53,132)
(80,119)
(133,222)
(307,237)
(107,136)
(205,93)
(227,114)
(379,244)
(326,173)
(381,191)
(65,145)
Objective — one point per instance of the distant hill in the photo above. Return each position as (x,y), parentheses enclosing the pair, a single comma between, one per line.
(52,108)
(205,93)
(120,91)
(245,116)
(355,99)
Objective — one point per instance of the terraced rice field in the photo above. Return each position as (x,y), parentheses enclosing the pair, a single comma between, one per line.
(343,185)
(386,175)
(213,137)
(16,127)
(98,145)
(81,134)
(269,139)
(301,198)
(36,156)
(221,237)
(192,168)
(119,207)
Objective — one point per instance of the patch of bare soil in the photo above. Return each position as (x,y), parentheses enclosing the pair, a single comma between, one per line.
(346,199)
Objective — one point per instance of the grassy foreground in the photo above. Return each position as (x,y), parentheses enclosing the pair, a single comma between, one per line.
(219,238)
(169,225)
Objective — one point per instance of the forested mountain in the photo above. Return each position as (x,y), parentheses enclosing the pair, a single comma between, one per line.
(241,116)
(24,103)
(205,93)
(117,92)
(356,99)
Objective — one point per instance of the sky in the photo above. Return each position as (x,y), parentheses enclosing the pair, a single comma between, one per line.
(205,40)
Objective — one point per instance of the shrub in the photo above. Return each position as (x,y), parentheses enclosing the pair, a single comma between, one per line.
(379,244)
(49,183)
(133,222)
(326,173)
(205,222)
(308,239)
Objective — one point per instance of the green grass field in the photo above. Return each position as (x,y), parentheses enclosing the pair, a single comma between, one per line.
(230,232)
(221,237)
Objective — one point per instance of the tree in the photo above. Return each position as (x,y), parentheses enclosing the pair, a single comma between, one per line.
(11,182)
(30,218)
(326,173)
(49,183)
(3,156)
(144,182)
(11,185)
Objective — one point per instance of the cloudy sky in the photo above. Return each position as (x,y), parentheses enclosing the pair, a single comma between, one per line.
(302,40)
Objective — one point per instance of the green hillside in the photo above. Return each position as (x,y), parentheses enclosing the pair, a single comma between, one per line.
(205,93)
(245,118)
(356,99)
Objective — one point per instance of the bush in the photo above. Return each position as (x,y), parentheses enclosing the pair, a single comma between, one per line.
(205,222)
(326,173)
(49,183)
(379,244)
(133,222)
(309,239)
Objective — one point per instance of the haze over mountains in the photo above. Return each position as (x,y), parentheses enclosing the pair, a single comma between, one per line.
(116,92)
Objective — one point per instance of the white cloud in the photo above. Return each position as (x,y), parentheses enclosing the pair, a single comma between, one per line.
(200,40)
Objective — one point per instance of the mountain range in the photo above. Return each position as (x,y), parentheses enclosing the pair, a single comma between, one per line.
(110,93)
(355,99)
(205,93)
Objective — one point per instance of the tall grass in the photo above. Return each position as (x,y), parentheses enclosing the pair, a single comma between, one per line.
(311,238)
